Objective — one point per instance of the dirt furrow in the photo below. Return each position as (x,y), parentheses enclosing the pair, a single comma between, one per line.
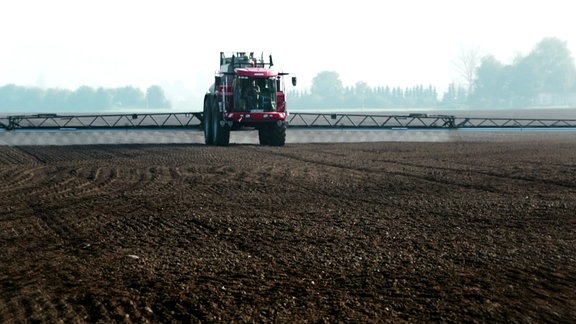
(357,232)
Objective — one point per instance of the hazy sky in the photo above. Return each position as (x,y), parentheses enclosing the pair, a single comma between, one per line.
(68,43)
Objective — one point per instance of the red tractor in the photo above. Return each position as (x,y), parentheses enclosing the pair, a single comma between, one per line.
(247,93)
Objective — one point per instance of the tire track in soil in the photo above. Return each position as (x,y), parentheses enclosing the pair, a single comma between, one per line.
(492,184)
(431,173)
(468,172)
(51,309)
(145,179)
(63,185)
(17,188)
(16,178)
(288,176)
(37,306)
(75,194)
(133,220)
(371,176)
(16,156)
(75,185)
(35,298)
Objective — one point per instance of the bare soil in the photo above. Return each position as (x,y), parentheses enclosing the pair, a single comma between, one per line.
(355,232)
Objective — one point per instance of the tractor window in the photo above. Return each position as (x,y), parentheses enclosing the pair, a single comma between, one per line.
(268,94)
(255,94)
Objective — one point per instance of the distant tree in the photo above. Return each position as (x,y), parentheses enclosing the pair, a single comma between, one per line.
(18,98)
(362,87)
(548,69)
(155,98)
(33,99)
(410,95)
(466,64)
(103,98)
(362,93)
(432,96)
(553,66)
(398,97)
(522,82)
(385,97)
(10,96)
(490,83)
(326,84)
(129,97)
(454,96)
(56,100)
(327,88)
(82,99)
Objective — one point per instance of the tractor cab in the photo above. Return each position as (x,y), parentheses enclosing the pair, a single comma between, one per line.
(255,94)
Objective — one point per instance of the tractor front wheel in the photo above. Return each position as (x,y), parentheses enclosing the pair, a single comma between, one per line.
(221,130)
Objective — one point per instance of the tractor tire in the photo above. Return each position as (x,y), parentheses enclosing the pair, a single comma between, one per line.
(207,123)
(221,131)
(264,135)
(277,135)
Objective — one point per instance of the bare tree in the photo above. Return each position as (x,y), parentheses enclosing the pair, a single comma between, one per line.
(466,63)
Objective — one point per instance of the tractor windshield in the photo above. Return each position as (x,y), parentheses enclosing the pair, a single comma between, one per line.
(255,94)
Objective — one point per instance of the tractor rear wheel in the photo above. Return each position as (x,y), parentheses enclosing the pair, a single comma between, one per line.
(207,123)
(278,134)
(264,135)
(221,130)
(273,135)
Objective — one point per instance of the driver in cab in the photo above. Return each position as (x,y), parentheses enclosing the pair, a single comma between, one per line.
(253,95)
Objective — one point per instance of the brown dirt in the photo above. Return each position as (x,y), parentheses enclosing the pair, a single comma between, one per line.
(356,232)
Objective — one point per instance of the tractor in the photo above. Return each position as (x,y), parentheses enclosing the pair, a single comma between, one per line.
(247,93)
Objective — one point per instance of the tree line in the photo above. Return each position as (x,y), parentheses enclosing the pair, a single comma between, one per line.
(15,98)
(360,95)
(544,77)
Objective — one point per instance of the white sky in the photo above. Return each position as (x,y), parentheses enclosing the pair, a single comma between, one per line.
(113,43)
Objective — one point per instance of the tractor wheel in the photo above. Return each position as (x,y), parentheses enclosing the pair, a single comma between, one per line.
(207,123)
(277,135)
(264,135)
(221,136)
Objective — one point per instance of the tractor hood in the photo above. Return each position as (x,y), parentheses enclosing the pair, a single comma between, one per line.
(256,72)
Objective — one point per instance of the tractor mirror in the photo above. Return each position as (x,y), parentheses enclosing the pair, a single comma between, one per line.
(294,81)
(217,81)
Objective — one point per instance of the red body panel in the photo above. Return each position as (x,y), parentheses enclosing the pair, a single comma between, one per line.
(281,100)
(256,72)
(246,117)
(255,117)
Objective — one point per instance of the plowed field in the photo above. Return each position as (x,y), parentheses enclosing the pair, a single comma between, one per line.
(354,232)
